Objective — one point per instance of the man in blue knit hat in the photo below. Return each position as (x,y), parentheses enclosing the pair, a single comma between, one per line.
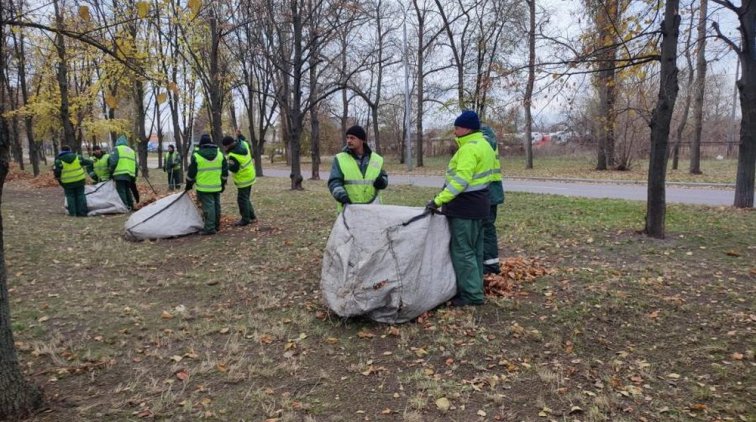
(465,202)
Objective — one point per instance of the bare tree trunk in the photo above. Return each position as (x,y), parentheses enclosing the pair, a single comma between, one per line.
(18,45)
(18,398)
(232,112)
(660,122)
(216,83)
(695,145)
(744,181)
(69,137)
(527,101)
(688,95)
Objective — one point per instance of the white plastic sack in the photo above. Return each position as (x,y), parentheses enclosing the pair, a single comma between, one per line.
(375,266)
(172,216)
(103,198)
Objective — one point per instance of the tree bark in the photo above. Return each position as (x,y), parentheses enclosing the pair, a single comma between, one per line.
(18,398)
(686,104)
(69,137)
(700,85)
(744,181)
(527,101)
(660,122)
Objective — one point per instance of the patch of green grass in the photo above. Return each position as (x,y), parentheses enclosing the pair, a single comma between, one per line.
(240,314)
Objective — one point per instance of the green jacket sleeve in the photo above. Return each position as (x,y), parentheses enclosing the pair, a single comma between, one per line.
(461,176)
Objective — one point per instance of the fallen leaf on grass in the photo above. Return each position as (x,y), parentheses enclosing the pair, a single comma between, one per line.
(224,330)
(182,375)
(266,339)
(698,407)
(737,356)
(443,404)
(177,358)
(166,315)
(365,334)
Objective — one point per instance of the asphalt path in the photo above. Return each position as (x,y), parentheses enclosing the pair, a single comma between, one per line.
(676,193)
(714,196)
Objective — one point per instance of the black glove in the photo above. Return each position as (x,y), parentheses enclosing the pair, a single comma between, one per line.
(189,186)
(223,187)
(379,183)
(431,206)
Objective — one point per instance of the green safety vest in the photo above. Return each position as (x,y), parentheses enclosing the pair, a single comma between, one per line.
(246,175)
(359,188)
(209,173)
(126,161)
(72,172)
(474,151)
(101,169)
(176,163)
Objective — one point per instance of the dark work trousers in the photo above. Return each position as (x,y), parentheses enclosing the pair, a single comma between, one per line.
(211,210)
(490,244)
(466,249)
(123,187)
(246,210)
(76,201)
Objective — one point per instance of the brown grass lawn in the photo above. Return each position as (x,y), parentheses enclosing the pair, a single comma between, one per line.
(232,327)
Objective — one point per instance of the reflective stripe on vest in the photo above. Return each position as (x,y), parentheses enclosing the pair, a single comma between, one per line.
(476,146)
(246,175)
(126,161)
(72,172)
(360,188)
(208,173)
(101,168)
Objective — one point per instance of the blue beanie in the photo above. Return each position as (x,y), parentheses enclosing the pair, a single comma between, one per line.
(205,139)
(468,119)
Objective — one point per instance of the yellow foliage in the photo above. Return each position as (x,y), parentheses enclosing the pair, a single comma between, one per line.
(161,98)
(194,6)
(84,13)
(143,9)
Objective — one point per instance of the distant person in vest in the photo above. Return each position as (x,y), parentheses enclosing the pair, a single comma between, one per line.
(208,170)
(172,166)
(496,197)
(357,172)
(466,204)
(124,170)
(99,171)
(69,171)
(242,167)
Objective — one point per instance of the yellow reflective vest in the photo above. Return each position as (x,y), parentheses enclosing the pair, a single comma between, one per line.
(360,188)
(126,162)
(72,172)
(246,175)
(209,173)
(101,169)
(470,169)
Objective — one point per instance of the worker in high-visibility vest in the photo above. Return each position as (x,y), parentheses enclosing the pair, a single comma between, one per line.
(465,202)
(496,196)
(357,173)
(99,171)
(172,166)
(124,170)
(242,167)
(69,171)
(208,171)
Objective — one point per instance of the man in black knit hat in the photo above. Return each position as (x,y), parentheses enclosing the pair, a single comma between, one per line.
(357,172)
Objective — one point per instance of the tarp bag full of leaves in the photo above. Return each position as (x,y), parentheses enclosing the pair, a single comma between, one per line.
(389,263)
(172,216)
(103,198)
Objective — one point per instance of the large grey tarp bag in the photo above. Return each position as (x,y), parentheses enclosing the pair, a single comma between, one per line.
(387,262)
(103,198)
(172,216)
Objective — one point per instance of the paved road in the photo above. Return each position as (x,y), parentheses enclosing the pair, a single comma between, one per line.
(634,192)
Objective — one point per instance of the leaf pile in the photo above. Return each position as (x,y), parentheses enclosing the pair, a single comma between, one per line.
(45,180)
(514,272)
(15,173)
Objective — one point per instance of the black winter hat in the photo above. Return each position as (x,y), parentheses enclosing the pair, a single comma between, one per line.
(357,131)
(65,148)
(227,140)
(205,139)
(468,119)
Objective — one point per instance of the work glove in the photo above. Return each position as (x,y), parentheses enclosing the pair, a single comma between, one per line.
(431,206)
(379,183)
(189,186)
(223,187)
(344,199)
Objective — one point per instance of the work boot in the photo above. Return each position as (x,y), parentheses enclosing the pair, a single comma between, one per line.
(241,223)
(207,232)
